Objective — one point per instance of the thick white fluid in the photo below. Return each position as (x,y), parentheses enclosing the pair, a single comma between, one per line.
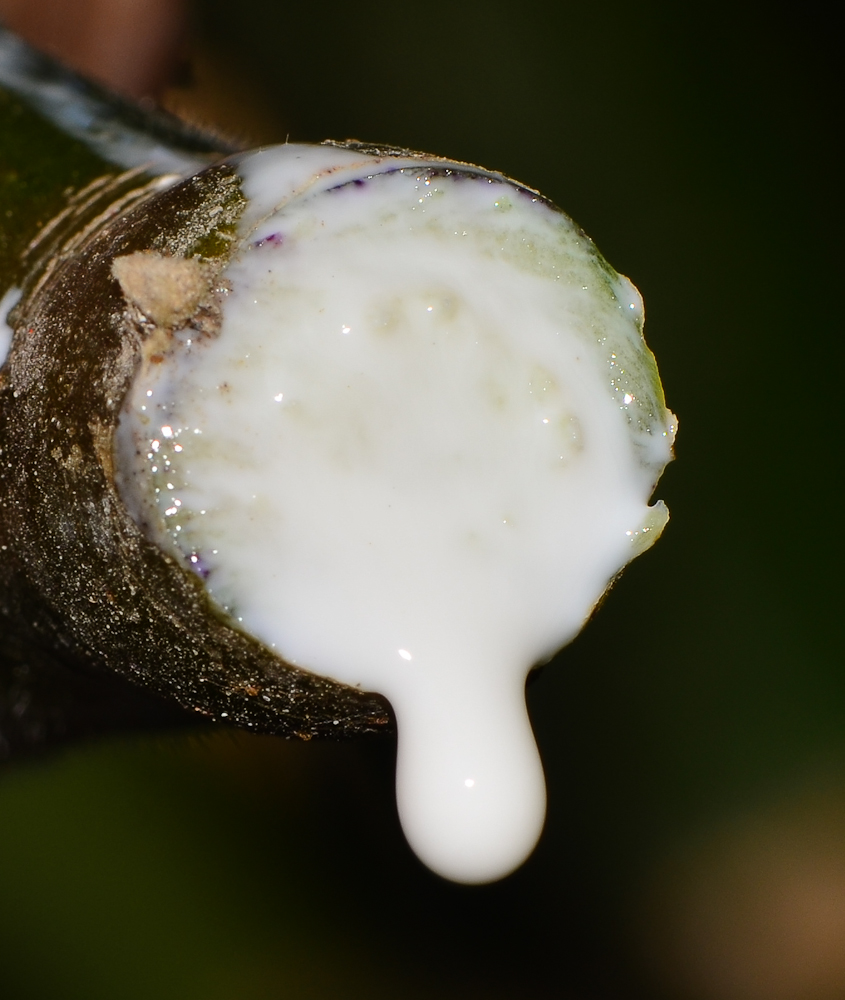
(420,448)
(7,303)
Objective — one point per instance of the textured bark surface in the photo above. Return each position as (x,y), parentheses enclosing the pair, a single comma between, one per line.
(83,595)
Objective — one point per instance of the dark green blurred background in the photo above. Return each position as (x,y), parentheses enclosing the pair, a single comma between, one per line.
(694,735)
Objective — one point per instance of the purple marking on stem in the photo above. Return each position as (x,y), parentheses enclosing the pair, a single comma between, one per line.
(274,240)
(202,570)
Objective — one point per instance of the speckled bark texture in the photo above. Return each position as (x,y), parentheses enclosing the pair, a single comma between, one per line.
(87,604)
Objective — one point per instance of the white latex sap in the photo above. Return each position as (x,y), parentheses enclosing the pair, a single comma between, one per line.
(421,446)
(7,303)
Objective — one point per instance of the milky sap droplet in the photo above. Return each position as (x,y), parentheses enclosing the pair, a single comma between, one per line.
(469,781)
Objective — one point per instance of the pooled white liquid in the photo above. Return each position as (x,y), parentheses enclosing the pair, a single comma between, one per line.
(7,303)
(420,448)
